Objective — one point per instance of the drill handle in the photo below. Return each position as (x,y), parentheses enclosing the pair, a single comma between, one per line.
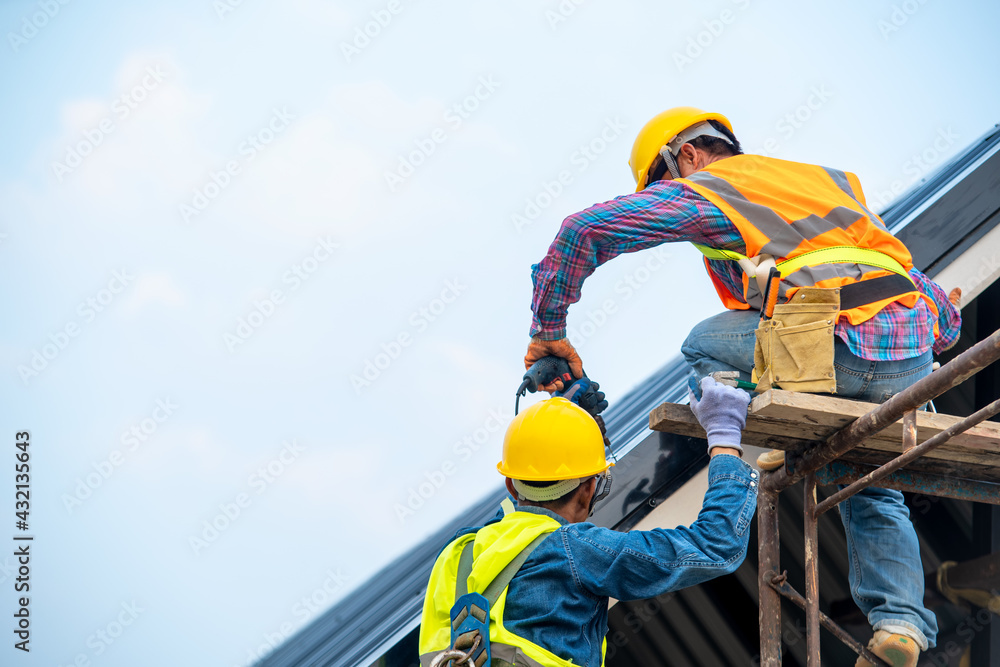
(545,371)
(582,391)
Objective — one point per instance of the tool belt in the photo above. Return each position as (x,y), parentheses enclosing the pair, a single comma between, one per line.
(794,347)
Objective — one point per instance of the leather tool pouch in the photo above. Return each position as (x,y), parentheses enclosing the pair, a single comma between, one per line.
(794,348)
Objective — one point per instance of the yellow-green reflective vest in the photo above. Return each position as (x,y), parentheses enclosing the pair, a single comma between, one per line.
(495,546)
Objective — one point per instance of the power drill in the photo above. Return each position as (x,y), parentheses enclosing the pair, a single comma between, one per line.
(583,391)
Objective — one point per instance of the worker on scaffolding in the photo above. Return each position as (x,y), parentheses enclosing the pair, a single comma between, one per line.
(545,574)
(853,317)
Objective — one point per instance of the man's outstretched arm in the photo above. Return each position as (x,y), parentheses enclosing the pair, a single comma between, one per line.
(643,564)
(664,212)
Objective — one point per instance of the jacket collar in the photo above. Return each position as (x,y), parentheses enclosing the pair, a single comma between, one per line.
(544,512)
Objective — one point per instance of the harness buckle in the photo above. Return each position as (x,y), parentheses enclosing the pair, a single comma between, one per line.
(470,631)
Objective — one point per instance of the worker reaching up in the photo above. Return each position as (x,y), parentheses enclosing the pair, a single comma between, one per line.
(546,574)
(853,317)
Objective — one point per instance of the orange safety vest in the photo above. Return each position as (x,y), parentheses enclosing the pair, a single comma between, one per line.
(798,213)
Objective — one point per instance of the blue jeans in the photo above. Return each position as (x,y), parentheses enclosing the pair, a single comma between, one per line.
(886,576)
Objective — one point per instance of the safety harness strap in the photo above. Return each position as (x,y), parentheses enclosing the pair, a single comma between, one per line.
(842,255)
(502,580)
(831,255)
(719,253)
(464,570)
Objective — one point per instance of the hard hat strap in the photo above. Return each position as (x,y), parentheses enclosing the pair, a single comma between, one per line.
(601,490)
(703,129)
(671,162)
(670,151)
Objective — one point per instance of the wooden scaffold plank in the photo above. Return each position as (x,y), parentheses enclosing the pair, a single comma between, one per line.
(793,421)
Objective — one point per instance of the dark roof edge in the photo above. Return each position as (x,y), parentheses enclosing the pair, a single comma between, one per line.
(899,213)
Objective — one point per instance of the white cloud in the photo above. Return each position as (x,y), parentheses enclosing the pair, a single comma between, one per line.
(132,150)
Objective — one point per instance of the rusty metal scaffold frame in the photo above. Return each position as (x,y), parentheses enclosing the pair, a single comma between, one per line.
(819,464)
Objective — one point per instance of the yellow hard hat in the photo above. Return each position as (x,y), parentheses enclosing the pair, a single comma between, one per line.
(553,440)
(658,132)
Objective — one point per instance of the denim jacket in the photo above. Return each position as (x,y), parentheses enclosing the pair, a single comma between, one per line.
(559,597)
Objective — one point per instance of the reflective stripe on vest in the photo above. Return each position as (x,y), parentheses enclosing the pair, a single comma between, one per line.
(790,211)
(495,546)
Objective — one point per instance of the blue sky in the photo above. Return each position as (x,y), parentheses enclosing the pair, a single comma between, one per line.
(210,231)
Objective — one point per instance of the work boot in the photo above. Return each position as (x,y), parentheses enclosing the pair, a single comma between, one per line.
(897,650)
(771,460)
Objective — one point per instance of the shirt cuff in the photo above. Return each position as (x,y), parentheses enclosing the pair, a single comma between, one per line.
(726,464)
(550,334)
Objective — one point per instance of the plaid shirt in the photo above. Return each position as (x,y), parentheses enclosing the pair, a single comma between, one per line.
(667,212)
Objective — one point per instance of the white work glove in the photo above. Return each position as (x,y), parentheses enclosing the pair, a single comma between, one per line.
(722,412)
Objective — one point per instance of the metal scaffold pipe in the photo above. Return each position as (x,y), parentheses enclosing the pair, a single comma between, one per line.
(909,456)
(950,375)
